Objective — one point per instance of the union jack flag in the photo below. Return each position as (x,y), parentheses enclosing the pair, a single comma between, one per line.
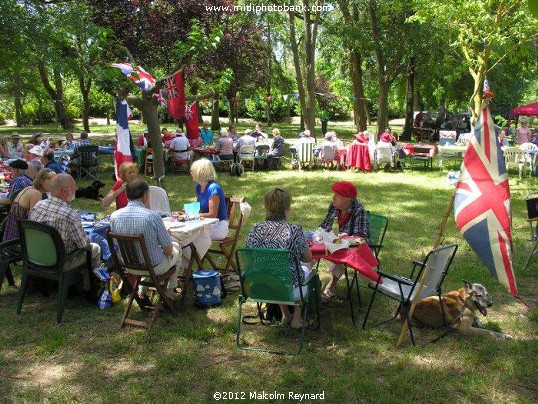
(137,74)
(482,202)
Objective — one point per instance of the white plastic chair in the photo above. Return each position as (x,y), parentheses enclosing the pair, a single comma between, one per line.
(384,155)
(531,152)
(158,201)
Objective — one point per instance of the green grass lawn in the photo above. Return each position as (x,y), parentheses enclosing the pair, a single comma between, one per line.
(191,357)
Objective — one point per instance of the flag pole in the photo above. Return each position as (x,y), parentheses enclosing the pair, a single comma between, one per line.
(436,243)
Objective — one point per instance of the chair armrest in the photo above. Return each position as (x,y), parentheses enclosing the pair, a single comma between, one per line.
(9,243)
(310,276)
(397,278)
(75,254)
(415,265)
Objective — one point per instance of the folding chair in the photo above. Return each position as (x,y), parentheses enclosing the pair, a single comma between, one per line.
(8,256)
(7,259)
(404,290)
(246,154)
(131,257)
(266,277)
(43,256)
(514,155)
(424,154)
(86,161)
(378,228)
(148,161)
(228,246)
(158,201)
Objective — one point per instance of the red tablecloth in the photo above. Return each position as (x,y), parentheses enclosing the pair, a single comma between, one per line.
(360,258)
(358,156)
(409,149)
(209,150)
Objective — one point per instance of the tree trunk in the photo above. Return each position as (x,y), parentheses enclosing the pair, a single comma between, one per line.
(382,76)
(475,102)
(148,105)
(307,96)
(85,91)
(19,118)
(56,94)
(215,122)
(409,100)
(359,107)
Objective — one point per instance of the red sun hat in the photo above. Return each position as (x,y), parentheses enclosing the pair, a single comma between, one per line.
(386,137)
(345,188)
(361,137)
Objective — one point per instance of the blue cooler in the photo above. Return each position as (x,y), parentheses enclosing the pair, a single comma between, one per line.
(208,290)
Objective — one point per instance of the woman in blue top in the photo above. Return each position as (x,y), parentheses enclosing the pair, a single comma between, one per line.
(211,197)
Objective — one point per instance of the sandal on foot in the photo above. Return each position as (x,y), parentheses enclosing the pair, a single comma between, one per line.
(326,297)
(286,320)
(297,324)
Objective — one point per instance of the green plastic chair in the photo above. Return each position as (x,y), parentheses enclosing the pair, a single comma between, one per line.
(266,278)
(43,256)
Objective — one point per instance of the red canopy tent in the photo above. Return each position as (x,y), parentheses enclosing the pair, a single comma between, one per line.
(528,110)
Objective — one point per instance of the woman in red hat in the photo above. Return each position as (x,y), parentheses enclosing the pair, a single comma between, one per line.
(349,216)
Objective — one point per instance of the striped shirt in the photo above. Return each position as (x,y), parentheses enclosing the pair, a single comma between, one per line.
(136,219)
(58,214)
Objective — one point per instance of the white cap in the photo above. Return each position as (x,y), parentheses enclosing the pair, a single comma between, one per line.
(37,150)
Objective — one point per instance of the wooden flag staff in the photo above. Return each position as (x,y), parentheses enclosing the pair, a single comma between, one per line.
(436,243)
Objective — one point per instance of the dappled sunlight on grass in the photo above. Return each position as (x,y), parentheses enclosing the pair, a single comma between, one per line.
(187,358)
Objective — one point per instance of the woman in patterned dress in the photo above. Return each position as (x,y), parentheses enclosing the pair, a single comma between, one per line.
(276,232)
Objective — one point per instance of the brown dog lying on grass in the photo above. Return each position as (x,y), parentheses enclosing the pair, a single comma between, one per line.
(459,307)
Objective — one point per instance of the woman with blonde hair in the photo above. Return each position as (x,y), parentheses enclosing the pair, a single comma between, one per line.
(4,153)
(211,197)
(128,171)
(276,232)
(25,201)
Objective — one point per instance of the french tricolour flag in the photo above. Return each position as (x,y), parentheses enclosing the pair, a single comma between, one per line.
(122,149)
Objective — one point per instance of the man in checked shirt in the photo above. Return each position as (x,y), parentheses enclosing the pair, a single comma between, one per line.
(56,212)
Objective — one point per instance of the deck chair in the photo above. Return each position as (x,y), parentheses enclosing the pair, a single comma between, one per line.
(532,214)
(131,257)
(247,154)
(228,245)
(305,154)
(266,278)
(378,228)
(86,161)
(43,256)
(158,201)
(404,290)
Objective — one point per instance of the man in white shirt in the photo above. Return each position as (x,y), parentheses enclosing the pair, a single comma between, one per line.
(14,147)
(179,146)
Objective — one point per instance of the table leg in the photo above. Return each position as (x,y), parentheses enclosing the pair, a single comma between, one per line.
(188,271)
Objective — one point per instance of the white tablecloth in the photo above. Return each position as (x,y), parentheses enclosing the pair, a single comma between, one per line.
(195,232)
